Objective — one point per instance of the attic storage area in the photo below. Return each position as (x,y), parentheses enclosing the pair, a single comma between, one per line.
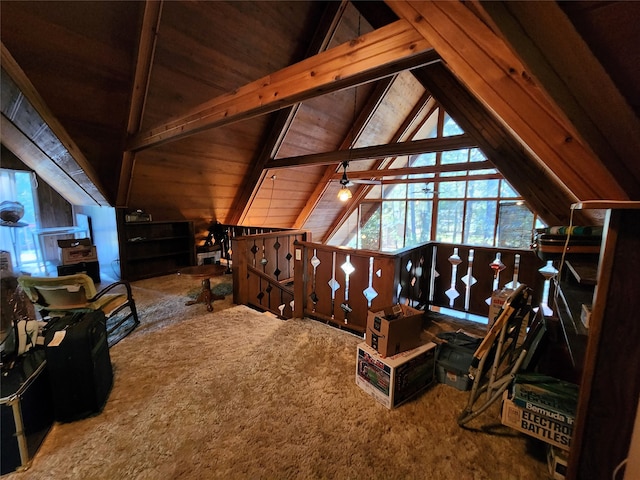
(184,111)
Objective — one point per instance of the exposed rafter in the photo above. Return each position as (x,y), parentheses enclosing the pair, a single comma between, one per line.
(490,70)
(513,161)
(559,59)
(385,51)
(87,179)
(146,49)
(398,172)
(378,151)
(244,200)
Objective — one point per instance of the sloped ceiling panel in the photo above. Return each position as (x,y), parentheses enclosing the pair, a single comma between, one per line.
(79,57)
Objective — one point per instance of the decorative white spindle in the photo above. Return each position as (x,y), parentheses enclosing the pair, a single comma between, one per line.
(469,281)
(454,260)
(548,272)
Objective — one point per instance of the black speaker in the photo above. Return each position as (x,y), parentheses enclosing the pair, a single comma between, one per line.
(79,365)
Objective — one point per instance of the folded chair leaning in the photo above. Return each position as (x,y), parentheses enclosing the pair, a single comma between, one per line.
(58,296)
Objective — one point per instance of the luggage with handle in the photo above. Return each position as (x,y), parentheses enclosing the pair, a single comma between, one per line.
(79,365)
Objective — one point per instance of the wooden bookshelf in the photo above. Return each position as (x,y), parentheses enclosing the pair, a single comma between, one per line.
(150,249)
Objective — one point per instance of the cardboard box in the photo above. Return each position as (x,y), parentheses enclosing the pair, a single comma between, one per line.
(77,250)
(557,461)
(74,255)
(536,425)
(548,396)
(394,380)
(498,299)
(394,330)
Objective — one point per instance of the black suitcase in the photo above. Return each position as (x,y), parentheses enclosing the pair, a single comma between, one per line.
(79,365)
(26,411)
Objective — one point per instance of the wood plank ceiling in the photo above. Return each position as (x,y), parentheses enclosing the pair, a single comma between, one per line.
(243,111)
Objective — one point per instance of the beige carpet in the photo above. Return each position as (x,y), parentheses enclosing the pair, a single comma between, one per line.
(237,394)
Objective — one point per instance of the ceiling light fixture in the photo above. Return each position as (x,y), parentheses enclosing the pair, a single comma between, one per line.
(344,194)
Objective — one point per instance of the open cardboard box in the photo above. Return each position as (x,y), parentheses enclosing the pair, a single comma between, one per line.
(394,329)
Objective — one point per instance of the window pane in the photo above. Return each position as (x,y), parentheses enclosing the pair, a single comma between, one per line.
(420,190)
(450,127)
(418,222)
(423,160)
(506,191)
(476,155)
(393,225)
(484,171)
(375,192)
(370,226)
(452,189)
(483,189)
(455,156)
(449,228)
(346,236)
(395,191)
(430,127)
(515,225)
(16,186)
(481,218)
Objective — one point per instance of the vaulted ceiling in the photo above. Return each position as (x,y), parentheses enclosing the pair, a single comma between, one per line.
(242,112)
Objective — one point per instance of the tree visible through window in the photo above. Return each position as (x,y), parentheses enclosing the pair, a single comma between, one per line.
(464,205)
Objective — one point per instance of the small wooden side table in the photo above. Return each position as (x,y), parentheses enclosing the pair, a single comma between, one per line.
(204,272)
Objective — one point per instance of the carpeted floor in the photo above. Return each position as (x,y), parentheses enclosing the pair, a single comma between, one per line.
(237,394)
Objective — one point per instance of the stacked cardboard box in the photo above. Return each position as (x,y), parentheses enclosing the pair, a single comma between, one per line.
(394,380)
(543,407)
(79,256)
(77,250)
(394,329)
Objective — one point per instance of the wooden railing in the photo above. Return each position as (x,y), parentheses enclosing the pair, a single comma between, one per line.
(285,274)
(263,266)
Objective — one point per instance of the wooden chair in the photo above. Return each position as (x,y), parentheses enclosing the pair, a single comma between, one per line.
(58,296)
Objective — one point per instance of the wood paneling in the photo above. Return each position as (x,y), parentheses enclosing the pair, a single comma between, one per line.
(102,69)
(522,170)
(385,51)
(497,77)
(79,58)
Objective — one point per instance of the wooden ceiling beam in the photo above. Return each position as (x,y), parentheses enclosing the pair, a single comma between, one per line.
(361,191)
(375,152)
(529,178)
(17,75)
(354,133)
(146,50)
(388,50)
(398,172)
(490,70)
(244,200)
(597,109)
(48,170)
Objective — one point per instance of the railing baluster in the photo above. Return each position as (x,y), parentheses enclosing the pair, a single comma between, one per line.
(454,260)
(469,281)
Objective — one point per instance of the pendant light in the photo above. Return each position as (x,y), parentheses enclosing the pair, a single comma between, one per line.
(344,194)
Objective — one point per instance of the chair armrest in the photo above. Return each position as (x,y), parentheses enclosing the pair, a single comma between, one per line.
(111,287)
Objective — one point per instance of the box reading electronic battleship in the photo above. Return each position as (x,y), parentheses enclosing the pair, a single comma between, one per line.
(546,396)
